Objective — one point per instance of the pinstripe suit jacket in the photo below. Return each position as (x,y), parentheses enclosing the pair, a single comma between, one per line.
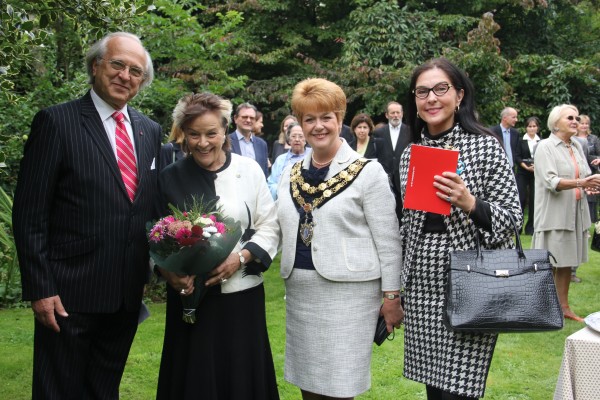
(77,233)
(356,235)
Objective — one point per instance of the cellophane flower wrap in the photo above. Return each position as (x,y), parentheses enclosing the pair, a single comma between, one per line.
(193,242)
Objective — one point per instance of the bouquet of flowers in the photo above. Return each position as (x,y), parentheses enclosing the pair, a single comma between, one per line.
(192,242)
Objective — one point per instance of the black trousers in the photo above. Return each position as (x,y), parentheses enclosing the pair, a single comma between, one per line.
(526,188)
(86,359)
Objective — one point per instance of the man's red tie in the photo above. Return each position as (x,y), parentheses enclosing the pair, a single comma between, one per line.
(125,156)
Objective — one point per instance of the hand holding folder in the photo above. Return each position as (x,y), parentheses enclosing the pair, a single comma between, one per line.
(426,162)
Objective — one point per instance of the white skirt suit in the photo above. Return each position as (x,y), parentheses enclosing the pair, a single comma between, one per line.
(331,312)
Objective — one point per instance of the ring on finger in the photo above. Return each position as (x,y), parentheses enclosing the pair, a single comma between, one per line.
(223,280)
(448,198)
(450,192)
(182,291)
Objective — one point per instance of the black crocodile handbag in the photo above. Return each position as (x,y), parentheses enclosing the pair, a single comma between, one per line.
(508,290)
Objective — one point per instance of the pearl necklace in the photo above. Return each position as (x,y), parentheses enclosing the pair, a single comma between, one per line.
(318,164)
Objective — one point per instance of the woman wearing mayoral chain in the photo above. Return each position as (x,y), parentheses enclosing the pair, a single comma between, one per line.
(339,256)
(225,354)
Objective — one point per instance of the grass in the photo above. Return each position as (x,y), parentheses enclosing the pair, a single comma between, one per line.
(525,366)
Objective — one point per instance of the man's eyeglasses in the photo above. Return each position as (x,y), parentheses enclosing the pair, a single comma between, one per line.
(571,118)
(440,89)
(119,65)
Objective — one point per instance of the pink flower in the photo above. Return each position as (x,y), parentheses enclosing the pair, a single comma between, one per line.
(156,234)
(167,220)
(220,227)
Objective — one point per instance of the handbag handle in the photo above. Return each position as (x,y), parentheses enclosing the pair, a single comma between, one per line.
(519,247)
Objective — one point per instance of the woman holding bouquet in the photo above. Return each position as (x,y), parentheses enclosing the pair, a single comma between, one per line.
(225,354)
(339,256)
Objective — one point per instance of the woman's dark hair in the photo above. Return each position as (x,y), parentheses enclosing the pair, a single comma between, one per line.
(533,119)
(466,114)
(360,118)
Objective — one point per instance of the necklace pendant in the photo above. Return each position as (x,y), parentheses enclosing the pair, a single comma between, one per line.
(307,208)
(306,232)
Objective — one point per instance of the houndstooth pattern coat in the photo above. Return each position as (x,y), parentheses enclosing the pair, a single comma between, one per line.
(454,362)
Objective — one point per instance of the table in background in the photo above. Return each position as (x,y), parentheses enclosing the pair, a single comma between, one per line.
(579,377)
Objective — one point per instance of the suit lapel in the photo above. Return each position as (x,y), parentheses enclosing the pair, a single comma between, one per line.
(140,140)
(95,129)
(235,144)
(388,139)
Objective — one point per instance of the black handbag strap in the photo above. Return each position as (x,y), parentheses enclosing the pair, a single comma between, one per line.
(519,247)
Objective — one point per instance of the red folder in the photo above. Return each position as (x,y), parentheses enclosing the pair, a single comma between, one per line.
(426,162)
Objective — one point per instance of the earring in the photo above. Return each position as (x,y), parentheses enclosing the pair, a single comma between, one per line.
(457,108)
(418,116)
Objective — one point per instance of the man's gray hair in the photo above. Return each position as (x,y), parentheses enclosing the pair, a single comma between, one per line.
(98,50)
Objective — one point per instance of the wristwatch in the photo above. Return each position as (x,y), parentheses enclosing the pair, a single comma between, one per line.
(242,259)
(391,296)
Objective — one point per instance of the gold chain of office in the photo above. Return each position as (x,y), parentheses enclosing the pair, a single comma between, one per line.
(324,190)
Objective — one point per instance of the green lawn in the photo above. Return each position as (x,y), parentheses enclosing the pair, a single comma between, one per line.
(525,366)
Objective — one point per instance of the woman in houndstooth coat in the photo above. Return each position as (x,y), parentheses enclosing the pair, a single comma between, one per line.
(483,195)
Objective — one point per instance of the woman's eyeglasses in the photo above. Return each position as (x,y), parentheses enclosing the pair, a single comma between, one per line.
(571,118)
(440,89)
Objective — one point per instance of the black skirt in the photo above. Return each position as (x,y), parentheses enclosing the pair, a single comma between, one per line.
(225,355)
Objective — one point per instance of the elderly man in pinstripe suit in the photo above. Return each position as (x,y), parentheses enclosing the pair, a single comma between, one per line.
(86,188)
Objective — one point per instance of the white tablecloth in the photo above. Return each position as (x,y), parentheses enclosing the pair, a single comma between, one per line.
(579,377)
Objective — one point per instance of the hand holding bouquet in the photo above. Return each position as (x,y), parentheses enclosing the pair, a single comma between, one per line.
(193,242)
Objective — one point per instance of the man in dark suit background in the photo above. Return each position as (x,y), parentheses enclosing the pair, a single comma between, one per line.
(506,133)
(86,188)
(244,142)
(393,137)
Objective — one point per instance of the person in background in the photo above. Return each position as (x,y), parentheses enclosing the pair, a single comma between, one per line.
(295,137)
(484,201)
(348,135)
(525,176)
(507,134)
(86,188)
(393,137)
(562,216)
(364,144)
(225,354)
(244,142)
(591,147)
(173,150)
(258,125)
(339,255)
(593,157)
(280,146)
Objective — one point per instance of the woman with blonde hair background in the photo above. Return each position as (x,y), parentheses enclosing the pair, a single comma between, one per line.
(562,215)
